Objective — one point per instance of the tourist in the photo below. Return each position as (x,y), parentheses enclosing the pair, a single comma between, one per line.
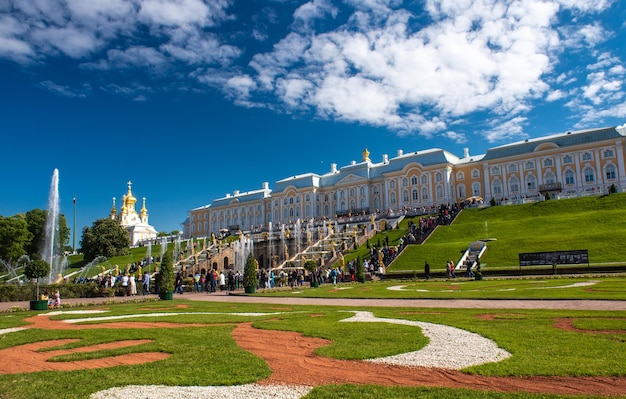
(427,270)
(57,299)
(125,284)
(145,283)
(222,281)
(178,283)
(133,285)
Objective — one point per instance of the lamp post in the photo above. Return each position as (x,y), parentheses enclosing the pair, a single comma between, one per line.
(74,234)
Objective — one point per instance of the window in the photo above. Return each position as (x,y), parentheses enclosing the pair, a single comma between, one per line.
(512,168)
(495,170)
(298,199)
(342,194)
(460,176)
(461,191)
(608,154)
(513,185)
(568,159)
(285,201)
(610,172)
(362,191)
(414,181)
(438,177)
(439,191)
(476,188)
(548,162)
(497,187)
(529,165)
(589,175)
(405,196)
(392,184)
(392,198)
(531,182)
(308,198)
(587,156)
(475,174)
(290,200)
(424,193)
(569,177)
(424,179)
(416,195)
(549,178)
(326,197)
(405,182)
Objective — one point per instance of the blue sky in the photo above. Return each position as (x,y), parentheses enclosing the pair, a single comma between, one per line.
(193,99)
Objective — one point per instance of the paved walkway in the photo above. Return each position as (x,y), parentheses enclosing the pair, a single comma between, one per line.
(414,303)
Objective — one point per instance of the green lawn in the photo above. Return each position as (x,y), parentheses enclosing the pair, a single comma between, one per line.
(570,287)
(592,223)
(207,355)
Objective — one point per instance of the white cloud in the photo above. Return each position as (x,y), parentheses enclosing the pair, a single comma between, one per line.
(555,95)
(182,12)
(506,130)
(478,56)
(64,91)
(458,138)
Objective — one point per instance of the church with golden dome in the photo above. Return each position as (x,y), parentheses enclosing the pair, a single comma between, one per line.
(135,223)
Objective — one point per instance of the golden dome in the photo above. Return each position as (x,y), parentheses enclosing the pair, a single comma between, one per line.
(366,155)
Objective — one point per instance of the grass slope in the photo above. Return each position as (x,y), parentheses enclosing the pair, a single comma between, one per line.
(592,223)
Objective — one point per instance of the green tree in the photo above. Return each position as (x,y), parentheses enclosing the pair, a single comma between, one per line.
(105,238)
(165,277)
(14,237)
(36,220)
(250,279)
(36,270)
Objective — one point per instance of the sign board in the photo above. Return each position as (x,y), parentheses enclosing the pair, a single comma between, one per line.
(573,257)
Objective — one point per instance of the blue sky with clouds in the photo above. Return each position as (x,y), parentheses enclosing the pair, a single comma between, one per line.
(193,99)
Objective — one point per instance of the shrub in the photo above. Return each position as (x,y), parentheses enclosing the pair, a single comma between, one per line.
(166,274)
(250,279)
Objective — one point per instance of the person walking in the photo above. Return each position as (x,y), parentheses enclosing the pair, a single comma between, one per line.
(427,270)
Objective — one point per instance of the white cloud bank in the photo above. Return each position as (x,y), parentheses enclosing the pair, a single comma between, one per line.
(376,62)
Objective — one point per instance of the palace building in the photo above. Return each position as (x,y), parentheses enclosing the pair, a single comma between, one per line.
(585,162)
(136,224)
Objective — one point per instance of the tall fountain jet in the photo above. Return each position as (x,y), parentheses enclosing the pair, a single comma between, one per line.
(51,251)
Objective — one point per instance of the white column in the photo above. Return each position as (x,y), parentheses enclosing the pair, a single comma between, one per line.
(619,152)
(599,172)
(487,190)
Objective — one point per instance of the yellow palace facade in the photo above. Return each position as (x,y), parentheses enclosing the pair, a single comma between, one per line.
(586,162)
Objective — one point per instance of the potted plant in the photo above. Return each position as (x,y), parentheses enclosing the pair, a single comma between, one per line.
(311,267)
(250,279)
(34,271)
(165,277)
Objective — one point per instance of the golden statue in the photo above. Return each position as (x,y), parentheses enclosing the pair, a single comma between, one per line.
(366,155)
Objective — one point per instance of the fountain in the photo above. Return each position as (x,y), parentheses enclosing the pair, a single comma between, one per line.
(149,253)
(242,249)
(51,251)
(163,246)
(269,242)
(298,235)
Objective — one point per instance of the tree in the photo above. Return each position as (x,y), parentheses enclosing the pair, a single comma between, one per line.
(360,271)
(14,237)
(250,279)
(105,238)
(165,278)
(36,220)
(36,270)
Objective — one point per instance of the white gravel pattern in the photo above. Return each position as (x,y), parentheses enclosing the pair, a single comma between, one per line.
(449,347)
(248,391)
